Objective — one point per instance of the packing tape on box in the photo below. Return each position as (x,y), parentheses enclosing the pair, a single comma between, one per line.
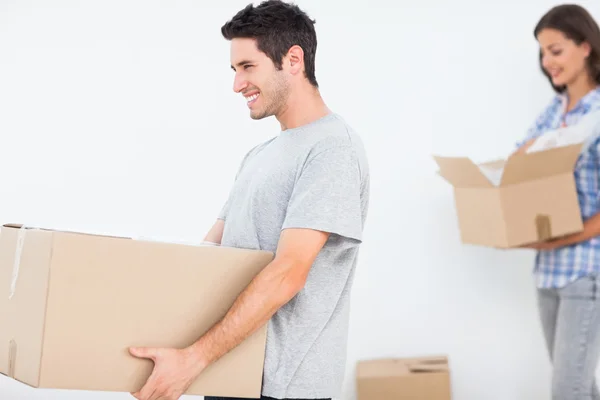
(543,227)
(17,264)
(430,365)
(12,358)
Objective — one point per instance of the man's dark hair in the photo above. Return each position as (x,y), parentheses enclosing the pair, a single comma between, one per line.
(276,26)
(576,23)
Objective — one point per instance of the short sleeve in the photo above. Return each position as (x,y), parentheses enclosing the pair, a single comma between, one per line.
(224,210)
(327,194)
(595,158)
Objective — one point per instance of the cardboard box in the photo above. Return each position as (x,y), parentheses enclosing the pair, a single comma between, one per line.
(423,378)
(72,304)
(534,199)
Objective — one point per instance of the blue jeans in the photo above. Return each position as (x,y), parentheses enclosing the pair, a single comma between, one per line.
(570,319)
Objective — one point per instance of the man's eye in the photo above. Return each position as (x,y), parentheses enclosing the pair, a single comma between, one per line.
(247,66)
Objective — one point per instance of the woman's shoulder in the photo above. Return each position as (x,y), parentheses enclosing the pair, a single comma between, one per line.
(549,115)
(591,102)
(545,120)
(552,108)
(556,105)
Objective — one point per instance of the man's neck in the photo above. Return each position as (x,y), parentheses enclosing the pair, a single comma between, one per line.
(306,107)
(578,89)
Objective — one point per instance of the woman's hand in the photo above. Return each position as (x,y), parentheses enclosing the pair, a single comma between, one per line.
(548,245)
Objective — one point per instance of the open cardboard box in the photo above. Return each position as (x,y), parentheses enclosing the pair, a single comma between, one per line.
(72,304)
(528,197)
(422,378)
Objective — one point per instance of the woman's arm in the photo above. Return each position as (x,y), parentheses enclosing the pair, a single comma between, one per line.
(525,146)
(591,228)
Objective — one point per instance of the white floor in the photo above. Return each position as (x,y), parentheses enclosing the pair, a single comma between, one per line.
(13,390)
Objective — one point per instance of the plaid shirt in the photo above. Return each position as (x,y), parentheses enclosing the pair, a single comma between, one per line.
(561,266)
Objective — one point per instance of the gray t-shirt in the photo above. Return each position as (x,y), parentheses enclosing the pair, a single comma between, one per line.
(315,176)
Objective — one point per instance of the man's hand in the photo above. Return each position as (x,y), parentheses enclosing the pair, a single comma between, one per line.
(174,371)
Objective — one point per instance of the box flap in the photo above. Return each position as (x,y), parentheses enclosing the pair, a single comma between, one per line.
(388,367)
(495,164)
(381,367)
(23,226)
(523,167)
(461,172)
(16,226)
(439,364)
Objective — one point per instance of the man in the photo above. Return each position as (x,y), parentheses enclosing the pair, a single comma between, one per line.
(304,195)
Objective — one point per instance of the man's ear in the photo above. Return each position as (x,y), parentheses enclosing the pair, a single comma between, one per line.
(295,58)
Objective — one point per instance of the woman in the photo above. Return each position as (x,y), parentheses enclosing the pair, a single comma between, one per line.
(567,270)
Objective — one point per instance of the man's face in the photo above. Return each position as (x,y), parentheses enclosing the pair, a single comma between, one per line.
(265,88)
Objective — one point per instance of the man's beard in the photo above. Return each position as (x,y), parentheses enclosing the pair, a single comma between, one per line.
(277,97)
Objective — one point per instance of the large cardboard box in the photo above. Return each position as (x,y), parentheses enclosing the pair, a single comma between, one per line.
(528,197)
(72,304)
(422,378)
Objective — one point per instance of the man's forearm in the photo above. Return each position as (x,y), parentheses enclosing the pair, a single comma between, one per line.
(268,291)
(215,234)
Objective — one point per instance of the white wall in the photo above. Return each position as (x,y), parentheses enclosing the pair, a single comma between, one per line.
(119,117)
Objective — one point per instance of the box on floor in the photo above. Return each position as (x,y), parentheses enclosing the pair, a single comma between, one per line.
(422,378)
(72,304)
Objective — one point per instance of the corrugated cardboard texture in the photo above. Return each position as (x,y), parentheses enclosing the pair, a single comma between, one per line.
(481,216)
(22,317)
(528,167)
(106,294)
(462,172)
(541,207)
(426,378)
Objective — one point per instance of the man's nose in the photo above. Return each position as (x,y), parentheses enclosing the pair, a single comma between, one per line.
(239,83)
